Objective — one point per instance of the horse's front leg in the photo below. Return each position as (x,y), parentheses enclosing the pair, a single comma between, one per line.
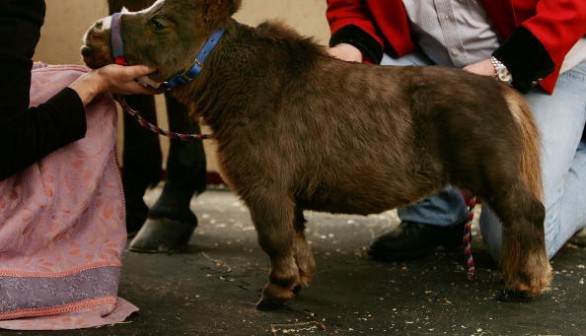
(274,217)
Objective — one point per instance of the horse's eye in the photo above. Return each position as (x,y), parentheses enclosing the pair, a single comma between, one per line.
(156,25)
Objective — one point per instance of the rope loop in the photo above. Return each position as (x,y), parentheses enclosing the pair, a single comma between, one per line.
(156,129)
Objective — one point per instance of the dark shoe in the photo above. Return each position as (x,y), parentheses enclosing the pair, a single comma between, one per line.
(413,241)
(579,238)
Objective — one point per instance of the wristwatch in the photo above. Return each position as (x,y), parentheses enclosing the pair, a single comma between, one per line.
(501,72)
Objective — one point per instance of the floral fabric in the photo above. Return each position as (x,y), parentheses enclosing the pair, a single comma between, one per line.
(62,225)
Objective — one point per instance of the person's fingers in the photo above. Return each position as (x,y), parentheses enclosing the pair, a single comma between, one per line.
(139,70)
(484,68)
(121,72)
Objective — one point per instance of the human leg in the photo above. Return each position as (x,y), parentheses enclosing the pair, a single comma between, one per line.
(560,118)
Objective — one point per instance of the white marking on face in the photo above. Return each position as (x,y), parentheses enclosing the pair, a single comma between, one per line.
(107,22)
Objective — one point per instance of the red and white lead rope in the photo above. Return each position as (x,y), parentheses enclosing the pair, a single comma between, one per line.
(156,129)
(471,203)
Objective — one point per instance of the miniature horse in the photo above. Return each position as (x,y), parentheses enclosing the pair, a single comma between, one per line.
(299,130)
(169,223)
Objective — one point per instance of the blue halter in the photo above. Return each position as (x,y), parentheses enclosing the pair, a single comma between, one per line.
(196,67)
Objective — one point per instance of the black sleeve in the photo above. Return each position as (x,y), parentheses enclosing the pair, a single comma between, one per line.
(28,134)
(526,58)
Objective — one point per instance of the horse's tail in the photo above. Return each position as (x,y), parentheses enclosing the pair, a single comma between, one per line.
(530,165)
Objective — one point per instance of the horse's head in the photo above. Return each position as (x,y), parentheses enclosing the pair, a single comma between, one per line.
(166,36)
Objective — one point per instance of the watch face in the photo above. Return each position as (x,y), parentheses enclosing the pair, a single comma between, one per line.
(504,75)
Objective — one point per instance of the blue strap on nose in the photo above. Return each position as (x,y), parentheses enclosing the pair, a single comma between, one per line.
(116,43)
(196,67)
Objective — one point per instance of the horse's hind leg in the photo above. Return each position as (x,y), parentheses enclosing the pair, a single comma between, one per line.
(171,222)
(523,260)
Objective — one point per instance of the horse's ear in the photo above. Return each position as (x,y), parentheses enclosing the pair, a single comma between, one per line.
(217,11)
(231,6)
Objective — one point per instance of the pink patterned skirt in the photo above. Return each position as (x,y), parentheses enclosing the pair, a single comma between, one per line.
(62,226)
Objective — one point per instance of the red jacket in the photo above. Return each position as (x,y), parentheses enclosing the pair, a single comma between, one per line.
(535,34)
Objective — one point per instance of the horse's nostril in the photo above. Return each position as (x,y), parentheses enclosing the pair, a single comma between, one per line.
(86,50)
(99,24)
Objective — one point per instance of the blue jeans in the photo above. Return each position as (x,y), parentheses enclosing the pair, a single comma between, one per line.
(560,118)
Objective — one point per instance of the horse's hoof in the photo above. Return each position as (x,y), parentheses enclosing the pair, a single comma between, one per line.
(161,235)
(509,295)
(269,304)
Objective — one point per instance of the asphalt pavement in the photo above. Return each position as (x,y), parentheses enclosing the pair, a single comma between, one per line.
(212,287)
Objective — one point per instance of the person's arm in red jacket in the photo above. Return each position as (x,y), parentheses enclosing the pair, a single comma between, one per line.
(537,47)
(351,24)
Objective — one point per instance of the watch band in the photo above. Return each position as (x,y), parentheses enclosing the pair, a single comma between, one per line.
(501,72)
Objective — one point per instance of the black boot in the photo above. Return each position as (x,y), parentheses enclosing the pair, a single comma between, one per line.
(579,238)
(413,240)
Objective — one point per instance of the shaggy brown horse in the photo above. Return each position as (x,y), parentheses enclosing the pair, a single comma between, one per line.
(299,130)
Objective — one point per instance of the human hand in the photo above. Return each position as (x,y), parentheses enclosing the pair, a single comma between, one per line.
(484,68)
(111,78)
(346,52)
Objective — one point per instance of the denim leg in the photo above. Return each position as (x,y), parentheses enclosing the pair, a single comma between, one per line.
(560,118)
(446,208)
(415,58)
